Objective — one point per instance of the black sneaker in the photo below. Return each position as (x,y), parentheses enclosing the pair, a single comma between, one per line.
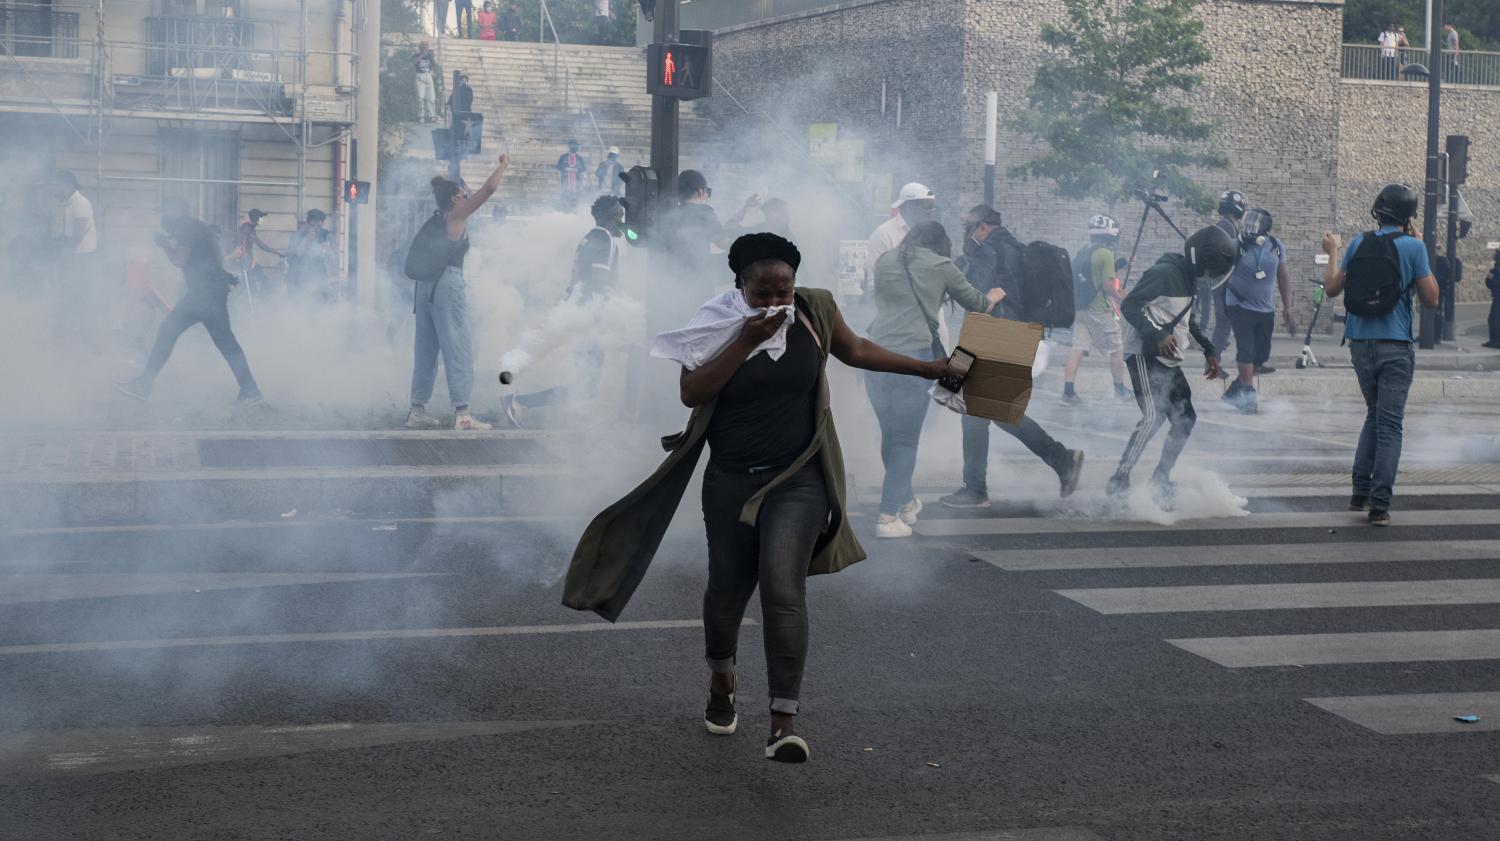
(1070,475)
(1248,402)
(1164,494)
(1231,395)
(966,497)
(1359,503)
(1265,369)
(1119,485)
(720,718)
(1379,517)
(789,748)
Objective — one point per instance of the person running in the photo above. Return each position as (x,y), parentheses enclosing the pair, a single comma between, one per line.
(596,270)
(1098,322)
(990,268)
(192,247)
(1159,323)
(773,492)
(442,310)
(1252,309)
(1379,271)
(910,285)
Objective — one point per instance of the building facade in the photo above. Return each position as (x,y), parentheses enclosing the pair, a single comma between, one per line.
(228,104)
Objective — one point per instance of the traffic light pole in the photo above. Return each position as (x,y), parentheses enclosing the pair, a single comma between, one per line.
(664,137)
(1427,334)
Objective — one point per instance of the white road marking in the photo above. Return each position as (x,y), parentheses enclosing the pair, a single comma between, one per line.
(1323,649)
(1292,596)
(278,524)
(1130,557)
(1395,715)
(29,588)
(353,636)
(976,526)
(103,751)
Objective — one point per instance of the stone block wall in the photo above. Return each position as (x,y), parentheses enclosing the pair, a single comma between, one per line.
(1383,138)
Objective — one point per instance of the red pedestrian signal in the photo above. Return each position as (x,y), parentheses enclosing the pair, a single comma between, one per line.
(357,192)
(668,68)
(681,71)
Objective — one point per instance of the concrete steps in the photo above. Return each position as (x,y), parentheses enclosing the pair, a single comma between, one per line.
(519,87)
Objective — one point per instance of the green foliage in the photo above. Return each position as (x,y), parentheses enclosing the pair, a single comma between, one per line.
(574,20)
(398,95)
(1109,101)
(400,16)
(1477,21)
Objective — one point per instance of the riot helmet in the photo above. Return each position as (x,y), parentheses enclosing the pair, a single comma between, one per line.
(1101,225)
(1256,226)
(1232,204)
(1396,205)
(1211,254)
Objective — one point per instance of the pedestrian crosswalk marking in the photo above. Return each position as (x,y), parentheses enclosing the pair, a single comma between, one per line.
(1123,557)
(1324,649)
(56,587)
(1218,597)
(1395,715)
(984,526)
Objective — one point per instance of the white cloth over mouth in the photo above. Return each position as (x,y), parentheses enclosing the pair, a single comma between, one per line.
(717,323)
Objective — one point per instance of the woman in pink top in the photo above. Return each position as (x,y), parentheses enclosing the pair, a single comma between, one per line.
(487,19)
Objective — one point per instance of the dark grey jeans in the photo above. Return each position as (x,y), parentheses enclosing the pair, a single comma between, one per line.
(1028,432)
(774,553)
(209,308)
(1385,372)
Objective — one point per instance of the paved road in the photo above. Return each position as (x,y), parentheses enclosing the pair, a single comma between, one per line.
(1029,673)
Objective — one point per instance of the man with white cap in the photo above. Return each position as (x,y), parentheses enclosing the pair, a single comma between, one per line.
(609,172)
(914,206)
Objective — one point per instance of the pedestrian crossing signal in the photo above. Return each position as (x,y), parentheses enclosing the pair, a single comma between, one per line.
(357,192)
(641,189)
(681,71)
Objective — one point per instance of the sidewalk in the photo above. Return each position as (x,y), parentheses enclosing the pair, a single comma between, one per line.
(73,478)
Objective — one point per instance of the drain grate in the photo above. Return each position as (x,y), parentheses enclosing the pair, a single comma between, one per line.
(370,452)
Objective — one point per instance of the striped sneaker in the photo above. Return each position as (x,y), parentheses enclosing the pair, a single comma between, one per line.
(789,748)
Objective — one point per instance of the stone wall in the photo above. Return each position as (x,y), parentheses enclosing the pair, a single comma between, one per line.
(1383,138)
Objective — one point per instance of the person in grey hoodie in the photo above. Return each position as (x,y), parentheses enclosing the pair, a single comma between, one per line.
(1159,323)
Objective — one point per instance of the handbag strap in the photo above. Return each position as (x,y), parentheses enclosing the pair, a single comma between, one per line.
(937,344)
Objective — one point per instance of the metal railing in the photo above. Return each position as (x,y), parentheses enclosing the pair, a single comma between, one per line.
(1466,67)
(569,91)
(37,31)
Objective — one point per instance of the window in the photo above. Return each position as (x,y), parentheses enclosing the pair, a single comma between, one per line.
(200,162)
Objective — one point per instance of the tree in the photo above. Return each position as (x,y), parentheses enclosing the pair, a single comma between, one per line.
(1108,101)
(1477,21)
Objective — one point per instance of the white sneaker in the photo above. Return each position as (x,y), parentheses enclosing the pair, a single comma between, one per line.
(893,528)
(419,419)
(909,511)
(465,421)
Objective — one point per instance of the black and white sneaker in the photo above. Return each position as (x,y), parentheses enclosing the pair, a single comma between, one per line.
(720,718)
(1359,503)
(1380,517)
(789,748)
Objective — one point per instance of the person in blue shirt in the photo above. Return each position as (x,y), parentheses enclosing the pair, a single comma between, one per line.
(1251,305)
(1380,345)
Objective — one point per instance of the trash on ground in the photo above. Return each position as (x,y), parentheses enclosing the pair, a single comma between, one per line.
(287,515)
(1466,719)
(933,765)
(868,750)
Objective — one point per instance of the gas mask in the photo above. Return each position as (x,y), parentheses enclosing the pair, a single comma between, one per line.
(1255,228)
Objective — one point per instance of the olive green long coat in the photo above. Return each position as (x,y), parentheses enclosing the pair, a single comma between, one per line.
(617,547)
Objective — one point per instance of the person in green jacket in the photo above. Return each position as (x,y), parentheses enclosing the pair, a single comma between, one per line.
(911,282)
(1159,323)
(773,493)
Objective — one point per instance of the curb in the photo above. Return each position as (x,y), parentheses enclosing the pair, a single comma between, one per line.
(1292,383)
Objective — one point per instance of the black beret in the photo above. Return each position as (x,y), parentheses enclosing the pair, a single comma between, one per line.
(752,248)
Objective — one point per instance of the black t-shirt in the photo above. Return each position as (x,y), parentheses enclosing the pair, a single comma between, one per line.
(693,229)
(204,268)
(596,264)
(765,414)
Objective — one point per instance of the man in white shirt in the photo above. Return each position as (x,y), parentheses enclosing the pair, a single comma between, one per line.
(914,206)
(78,214)
(602,19)
(1389,41)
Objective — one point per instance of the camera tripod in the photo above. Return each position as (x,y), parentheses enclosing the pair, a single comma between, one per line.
(1152,200)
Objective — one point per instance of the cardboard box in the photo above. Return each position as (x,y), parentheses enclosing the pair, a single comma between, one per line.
(999,383)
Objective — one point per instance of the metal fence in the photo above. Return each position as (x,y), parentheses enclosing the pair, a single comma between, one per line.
(37,31)
(1363,61)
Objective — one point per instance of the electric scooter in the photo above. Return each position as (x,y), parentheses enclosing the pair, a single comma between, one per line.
(1306,359)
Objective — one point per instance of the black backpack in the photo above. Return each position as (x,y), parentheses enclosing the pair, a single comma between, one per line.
(1374,275)
(427,258)
(1084,288)
(1046,285)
